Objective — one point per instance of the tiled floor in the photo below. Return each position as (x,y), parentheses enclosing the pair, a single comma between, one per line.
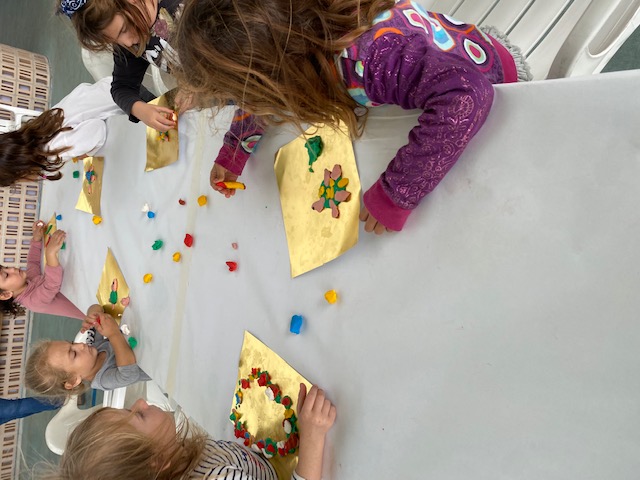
(32,25)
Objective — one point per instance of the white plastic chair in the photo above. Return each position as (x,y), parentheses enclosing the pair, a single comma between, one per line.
(20,115)
(560,38)
(62,424)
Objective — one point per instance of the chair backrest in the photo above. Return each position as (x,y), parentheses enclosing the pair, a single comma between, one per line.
(63,423)
(576,36)
(12,118)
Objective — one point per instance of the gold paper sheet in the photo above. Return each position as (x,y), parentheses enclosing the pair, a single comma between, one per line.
(49,228)
(161,153)
(112,280)
(264,417)
(89,200)
(315,238)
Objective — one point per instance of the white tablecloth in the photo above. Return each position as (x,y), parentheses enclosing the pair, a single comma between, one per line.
(495,337)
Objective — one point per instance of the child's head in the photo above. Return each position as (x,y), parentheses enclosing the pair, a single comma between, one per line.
(100,24)
(57,368)
(272,57)
(12,282)
(24,153)
(139,443)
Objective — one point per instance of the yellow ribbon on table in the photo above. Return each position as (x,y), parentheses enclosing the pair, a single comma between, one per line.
(89,200)
(264,417)
(317,237)
(162,147)
(113,291)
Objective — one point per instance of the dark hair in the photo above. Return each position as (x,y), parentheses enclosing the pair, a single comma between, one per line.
(273,58)
(24,153)
(90,20)
(10,307)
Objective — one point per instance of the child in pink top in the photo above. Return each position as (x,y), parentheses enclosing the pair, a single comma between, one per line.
(33,289)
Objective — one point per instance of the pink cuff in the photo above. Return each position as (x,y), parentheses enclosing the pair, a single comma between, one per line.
(383,209)
(233,159)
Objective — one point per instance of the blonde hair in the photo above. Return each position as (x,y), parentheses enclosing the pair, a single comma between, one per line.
(273,58)
(90,20)
(46,380)
(105,447)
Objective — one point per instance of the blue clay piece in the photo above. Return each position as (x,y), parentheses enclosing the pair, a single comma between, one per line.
(296,324)
(58,217)
(150,214)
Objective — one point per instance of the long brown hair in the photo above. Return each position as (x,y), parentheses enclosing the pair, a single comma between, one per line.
(273,58)
(105,447)
(24,153)
(11,307)
(90,20)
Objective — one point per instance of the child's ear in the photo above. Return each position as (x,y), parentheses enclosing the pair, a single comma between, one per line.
(6,295)
(71,384)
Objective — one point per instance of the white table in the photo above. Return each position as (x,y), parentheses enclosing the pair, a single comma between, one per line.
(495,337)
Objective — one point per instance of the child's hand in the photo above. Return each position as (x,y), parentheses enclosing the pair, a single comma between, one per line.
(38,230)
(160,118)
(221,174)
(316,413)
(371,224)
(106,325)
(55,242)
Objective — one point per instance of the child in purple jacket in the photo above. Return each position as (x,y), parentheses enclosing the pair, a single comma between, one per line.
(33,289)
(313,62)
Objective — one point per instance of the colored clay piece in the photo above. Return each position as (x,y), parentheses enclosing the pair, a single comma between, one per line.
(202,200)
(232,185)
(133,343)
(314,147)
(296,324)
(113,297)
(76,174)
(64,246)
(147,278)
(267,446)
(182,201)
(233,266)
(90,175)
(188,240)
(234,245)
(97,220)
(75,159)
(151,214)
(157,245)
(124,328)
(163,136)
(145,208)
(48,230)
(125,302)
(331,296)
(58,217)
(177,256)
(332,191)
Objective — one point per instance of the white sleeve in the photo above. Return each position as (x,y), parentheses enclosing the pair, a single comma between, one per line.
(89,101)
(85,138)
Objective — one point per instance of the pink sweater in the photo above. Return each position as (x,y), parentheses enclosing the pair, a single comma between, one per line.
(43,289)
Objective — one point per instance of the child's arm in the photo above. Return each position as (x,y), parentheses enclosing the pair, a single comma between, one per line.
(239,142)
(34,268)
(455,98)
(316,416)
(106,325)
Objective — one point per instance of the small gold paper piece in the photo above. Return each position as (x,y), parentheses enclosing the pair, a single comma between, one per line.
(113,288)
(89,200)
(315,238)
(264,417)
(162,147)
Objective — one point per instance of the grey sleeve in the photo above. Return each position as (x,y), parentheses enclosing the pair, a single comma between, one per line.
(114,377)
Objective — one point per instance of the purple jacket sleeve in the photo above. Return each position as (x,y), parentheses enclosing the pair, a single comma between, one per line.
(456,99)
(239,142)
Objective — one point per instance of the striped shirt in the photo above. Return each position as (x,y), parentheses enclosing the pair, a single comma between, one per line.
(231,461)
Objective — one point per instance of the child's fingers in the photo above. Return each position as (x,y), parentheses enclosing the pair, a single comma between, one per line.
(310,399)
(302,395)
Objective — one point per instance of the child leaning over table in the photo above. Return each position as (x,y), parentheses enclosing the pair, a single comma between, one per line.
(59,368)
(33,289)
(112,444)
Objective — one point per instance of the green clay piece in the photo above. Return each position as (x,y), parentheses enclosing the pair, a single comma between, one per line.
(48,229)
(113,298)
(314,147)
(157,245)
(64,245)
(76,174)
(133,343)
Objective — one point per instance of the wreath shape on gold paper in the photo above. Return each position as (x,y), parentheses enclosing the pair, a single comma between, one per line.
(267,446)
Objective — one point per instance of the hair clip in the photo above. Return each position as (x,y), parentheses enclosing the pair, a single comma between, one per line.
(69,7)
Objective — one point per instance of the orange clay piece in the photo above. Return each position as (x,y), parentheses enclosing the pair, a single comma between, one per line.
(232,185)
